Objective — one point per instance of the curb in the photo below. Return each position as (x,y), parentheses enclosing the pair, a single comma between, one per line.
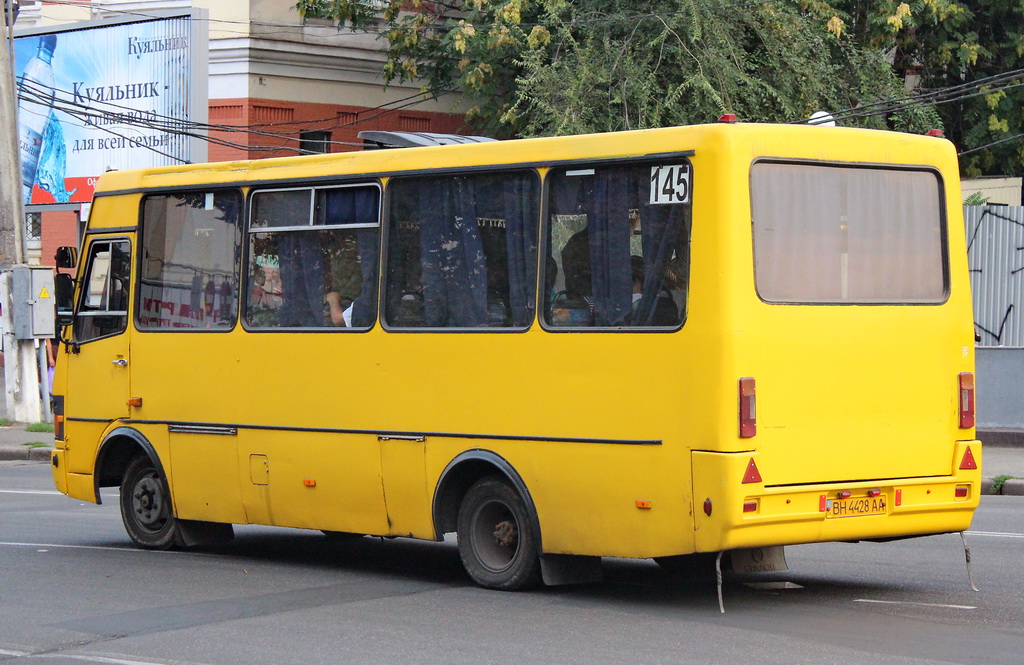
(26,455)
(1011,487)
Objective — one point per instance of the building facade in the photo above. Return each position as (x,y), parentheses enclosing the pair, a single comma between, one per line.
(277,86)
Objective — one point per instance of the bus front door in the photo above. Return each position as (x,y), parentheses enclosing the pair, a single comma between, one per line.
(98,377)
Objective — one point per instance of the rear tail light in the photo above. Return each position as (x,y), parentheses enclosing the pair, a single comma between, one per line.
(966,400)
(748,408)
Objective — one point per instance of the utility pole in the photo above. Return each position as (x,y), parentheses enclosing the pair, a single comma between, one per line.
(20,373)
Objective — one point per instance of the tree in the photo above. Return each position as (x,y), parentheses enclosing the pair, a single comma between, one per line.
(539,67)
(967,56)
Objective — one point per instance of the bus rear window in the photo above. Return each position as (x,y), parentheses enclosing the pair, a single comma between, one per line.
(837,234)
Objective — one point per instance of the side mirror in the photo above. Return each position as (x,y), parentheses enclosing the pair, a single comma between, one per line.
(66,257)
(64,290)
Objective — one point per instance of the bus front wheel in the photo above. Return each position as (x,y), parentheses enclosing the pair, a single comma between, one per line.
(497,543)
(146,506)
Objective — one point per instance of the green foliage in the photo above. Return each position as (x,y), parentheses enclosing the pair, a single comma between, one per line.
(999,481)
(540,67)
(976,199)
(40,427)
(36,444)
(6,422)
(948,43)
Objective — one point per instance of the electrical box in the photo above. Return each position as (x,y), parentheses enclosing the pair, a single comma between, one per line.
(33,307)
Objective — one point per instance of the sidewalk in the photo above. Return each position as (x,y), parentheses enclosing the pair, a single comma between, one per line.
(13,439)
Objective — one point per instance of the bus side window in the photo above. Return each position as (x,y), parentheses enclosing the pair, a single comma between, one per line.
(462,251)
(191,247)
(313,257)
(103,311)
(618,246)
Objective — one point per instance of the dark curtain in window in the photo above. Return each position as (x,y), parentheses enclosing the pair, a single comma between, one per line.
(608,225)
(660,231)
(302,280)
(454,268)
(520,236)
(360,206)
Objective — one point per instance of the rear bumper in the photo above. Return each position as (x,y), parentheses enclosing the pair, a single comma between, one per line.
(790,515)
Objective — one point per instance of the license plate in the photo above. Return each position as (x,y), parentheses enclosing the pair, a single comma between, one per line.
(856,506)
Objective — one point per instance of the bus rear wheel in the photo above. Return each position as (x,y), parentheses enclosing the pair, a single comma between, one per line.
(497,543)
(146,506)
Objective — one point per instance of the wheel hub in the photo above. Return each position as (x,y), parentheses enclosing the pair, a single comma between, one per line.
(147,502)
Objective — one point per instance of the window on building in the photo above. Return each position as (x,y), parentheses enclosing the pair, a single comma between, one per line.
(191,248)
(314,142)
(462,251)
(313,256)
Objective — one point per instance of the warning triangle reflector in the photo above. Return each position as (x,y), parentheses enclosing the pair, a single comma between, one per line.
(968,461)
(752,475)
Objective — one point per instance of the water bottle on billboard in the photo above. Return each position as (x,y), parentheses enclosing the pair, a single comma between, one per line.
(35,99)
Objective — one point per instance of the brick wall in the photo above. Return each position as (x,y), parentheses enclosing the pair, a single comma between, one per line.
(59,228)
(280,117)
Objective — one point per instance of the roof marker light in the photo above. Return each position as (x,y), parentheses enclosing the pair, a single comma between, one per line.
(727,117)
(934,132)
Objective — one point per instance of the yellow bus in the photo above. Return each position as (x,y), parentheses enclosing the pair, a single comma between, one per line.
(645,344)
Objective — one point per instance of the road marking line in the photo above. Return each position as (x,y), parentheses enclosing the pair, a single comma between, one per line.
(103,547)
(995,534)
(31,492)
(5,652)
(907,602)
(103,659)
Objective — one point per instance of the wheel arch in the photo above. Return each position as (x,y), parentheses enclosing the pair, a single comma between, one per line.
(460,474)
(119,447)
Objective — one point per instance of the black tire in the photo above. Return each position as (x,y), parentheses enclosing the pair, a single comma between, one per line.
(497,542)
(146,506)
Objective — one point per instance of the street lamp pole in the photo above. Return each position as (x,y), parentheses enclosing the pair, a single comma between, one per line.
(20,374)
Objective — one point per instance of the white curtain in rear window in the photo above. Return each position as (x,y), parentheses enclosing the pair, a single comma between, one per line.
(831,234)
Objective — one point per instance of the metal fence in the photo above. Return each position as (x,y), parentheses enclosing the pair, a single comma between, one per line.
(995,255)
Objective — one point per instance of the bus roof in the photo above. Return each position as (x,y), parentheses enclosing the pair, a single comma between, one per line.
(757,140)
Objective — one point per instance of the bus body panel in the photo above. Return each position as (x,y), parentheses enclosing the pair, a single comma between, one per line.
(619,437)
(799,514)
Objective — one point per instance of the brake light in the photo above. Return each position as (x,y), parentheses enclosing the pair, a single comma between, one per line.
(966,400)
(748,410)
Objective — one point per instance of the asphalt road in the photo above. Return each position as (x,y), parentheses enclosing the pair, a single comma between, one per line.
(72,590)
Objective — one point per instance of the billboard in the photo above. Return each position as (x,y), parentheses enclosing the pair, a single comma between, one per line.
(107,95)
